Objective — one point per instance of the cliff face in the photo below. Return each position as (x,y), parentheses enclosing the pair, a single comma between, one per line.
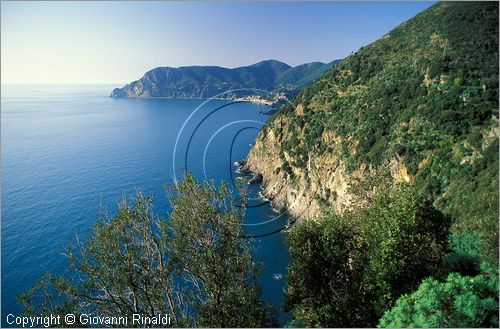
(276,77)
(301,191)
(414,106)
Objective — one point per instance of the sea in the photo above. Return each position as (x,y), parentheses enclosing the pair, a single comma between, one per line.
(70,152)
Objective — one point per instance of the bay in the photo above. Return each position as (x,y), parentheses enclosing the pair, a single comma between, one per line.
(70,151)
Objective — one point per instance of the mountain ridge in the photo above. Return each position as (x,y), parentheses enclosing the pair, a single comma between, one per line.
(279,79)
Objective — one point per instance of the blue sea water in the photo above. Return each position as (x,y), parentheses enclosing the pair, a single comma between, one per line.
(68,152)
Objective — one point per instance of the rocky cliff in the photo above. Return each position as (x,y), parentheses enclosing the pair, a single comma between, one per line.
(419,105)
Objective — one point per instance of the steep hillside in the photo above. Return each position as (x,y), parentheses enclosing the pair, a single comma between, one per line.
(418,105)
(208,81)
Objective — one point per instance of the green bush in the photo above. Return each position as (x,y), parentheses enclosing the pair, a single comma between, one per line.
(458,302)
(347,270)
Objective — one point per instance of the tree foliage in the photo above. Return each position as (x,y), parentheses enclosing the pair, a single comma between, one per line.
(325,276)
(209,255)
(346,270)
(458,302)
(193,266)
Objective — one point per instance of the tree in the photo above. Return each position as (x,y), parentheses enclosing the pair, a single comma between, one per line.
(406,239)
(193,267)
(348,269)
(210,257)
(324,278)
(122,269)
(460,301)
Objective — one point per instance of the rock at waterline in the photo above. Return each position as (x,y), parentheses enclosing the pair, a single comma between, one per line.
(256,179)
(240,163)
(242,167)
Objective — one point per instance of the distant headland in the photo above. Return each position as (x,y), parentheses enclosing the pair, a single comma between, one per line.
(269,81)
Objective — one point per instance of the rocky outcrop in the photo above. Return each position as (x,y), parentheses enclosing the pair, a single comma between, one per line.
(324,181)
(256,179)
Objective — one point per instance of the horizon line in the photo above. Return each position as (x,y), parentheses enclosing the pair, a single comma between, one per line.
(174,67)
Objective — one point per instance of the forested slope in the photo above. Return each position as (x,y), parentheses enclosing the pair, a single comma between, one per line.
(416,108)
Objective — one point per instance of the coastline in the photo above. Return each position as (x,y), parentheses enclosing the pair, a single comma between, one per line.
(277,207)
(241,99)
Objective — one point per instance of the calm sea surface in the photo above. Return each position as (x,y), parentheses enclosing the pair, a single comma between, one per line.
(69,151)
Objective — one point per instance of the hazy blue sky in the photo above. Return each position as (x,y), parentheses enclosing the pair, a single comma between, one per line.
(116,42)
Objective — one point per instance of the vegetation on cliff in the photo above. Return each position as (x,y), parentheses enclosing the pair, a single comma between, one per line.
(419,106)
(347,268)
(460,301)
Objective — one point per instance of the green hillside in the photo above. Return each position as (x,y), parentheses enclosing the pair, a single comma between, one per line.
(273,76)
(419,106)
(426,92)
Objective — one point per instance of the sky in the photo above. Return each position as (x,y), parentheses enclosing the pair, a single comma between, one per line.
(117,42)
